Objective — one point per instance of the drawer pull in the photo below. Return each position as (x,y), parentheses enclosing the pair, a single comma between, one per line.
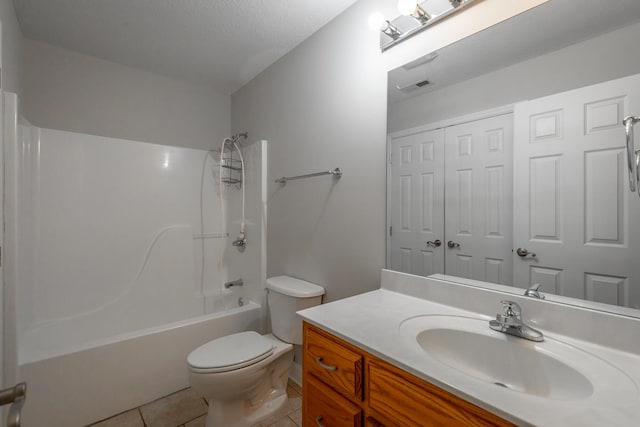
(327,367)
(319,421)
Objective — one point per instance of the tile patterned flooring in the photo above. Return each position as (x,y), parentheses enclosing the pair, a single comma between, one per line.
(186,409)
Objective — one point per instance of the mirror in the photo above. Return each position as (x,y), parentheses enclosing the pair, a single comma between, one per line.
(507,158)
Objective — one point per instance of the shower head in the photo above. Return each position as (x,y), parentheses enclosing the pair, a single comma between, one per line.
(234,139)
(237,138)
(240,137)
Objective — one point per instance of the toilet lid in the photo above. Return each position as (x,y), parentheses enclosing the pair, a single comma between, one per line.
(231,352)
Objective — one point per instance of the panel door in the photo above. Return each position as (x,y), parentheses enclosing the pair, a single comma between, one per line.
(417,198)
(478,199)
(574,210)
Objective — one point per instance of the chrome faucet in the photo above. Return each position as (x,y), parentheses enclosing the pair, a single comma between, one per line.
(532,291)
(241,242)
(238,282)
(511,323)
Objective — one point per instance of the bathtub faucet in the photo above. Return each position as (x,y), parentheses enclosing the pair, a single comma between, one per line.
(240,242)
(238,282)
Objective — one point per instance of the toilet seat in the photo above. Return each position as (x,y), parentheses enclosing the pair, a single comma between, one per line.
(230,352)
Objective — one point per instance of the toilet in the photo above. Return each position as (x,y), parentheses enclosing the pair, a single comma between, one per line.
(244,376)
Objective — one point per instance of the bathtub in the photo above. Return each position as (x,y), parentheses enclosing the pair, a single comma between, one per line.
(103,265)
(94,382)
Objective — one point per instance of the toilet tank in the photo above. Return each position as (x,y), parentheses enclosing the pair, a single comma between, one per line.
(286,295)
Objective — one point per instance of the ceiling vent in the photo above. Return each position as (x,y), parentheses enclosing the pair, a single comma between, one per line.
(413,86)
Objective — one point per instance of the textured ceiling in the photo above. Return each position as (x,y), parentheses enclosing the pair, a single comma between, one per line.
(222,43)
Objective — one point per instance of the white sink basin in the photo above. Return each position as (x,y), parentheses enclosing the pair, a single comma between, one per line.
(550,369)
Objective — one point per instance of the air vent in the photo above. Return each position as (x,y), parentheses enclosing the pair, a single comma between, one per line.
(413,86)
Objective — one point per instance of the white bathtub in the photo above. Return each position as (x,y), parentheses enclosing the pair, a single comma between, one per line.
(84,386)
(109,245)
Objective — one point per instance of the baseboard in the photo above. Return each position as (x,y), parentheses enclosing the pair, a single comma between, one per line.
(295,373)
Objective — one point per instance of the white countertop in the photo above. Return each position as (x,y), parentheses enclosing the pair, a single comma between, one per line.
(372,321)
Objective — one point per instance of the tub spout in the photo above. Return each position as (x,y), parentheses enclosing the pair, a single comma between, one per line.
(238,282)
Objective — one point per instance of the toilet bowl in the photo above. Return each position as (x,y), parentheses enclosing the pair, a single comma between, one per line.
(244,376)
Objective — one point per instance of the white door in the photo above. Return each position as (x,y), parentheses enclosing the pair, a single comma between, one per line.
(416,197)
(574,210)
(478,199)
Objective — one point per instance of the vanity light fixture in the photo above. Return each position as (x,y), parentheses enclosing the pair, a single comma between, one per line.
(391,30)
(416,16)
(412,8)
(377,22)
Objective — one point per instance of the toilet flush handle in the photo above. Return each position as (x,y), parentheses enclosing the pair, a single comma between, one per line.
(325,366)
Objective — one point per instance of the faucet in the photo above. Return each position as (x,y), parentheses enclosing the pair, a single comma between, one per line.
(532,291)
(240,242)
(238,282)
(511,323)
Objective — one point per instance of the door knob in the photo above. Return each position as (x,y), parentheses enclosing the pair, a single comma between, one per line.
(524,253)
(453,244)
(435,243)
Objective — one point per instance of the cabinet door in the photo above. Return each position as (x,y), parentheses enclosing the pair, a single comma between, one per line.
(325,407)
(372,422)
(409,401)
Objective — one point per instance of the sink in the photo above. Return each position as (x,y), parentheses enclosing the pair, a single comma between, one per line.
(550,369)
(515,366)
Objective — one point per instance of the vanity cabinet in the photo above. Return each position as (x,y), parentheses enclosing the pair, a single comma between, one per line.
(344,385)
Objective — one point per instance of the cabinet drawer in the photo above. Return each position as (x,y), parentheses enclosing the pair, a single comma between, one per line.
(333,363)
(409,401)
(325,407)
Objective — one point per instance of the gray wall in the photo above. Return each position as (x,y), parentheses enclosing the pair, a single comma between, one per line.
(323,106)
(11,48)
(589,62)
(79,93)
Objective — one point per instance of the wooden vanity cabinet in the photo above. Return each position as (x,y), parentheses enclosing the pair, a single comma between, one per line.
(344,385)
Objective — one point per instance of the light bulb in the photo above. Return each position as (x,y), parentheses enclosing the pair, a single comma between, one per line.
(407,7)
(376,21)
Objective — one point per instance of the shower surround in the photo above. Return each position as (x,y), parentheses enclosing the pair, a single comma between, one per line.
(106,276)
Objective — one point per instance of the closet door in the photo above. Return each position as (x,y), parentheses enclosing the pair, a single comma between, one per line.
(574,209)
(416,200)
(478,204)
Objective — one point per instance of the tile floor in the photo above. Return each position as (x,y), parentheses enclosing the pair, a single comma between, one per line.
(186,409)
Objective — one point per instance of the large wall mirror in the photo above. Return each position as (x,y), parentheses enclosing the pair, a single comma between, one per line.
(507,158)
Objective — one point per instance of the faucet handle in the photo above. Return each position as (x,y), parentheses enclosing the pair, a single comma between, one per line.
(532,291)
(512,313)
(511,308)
